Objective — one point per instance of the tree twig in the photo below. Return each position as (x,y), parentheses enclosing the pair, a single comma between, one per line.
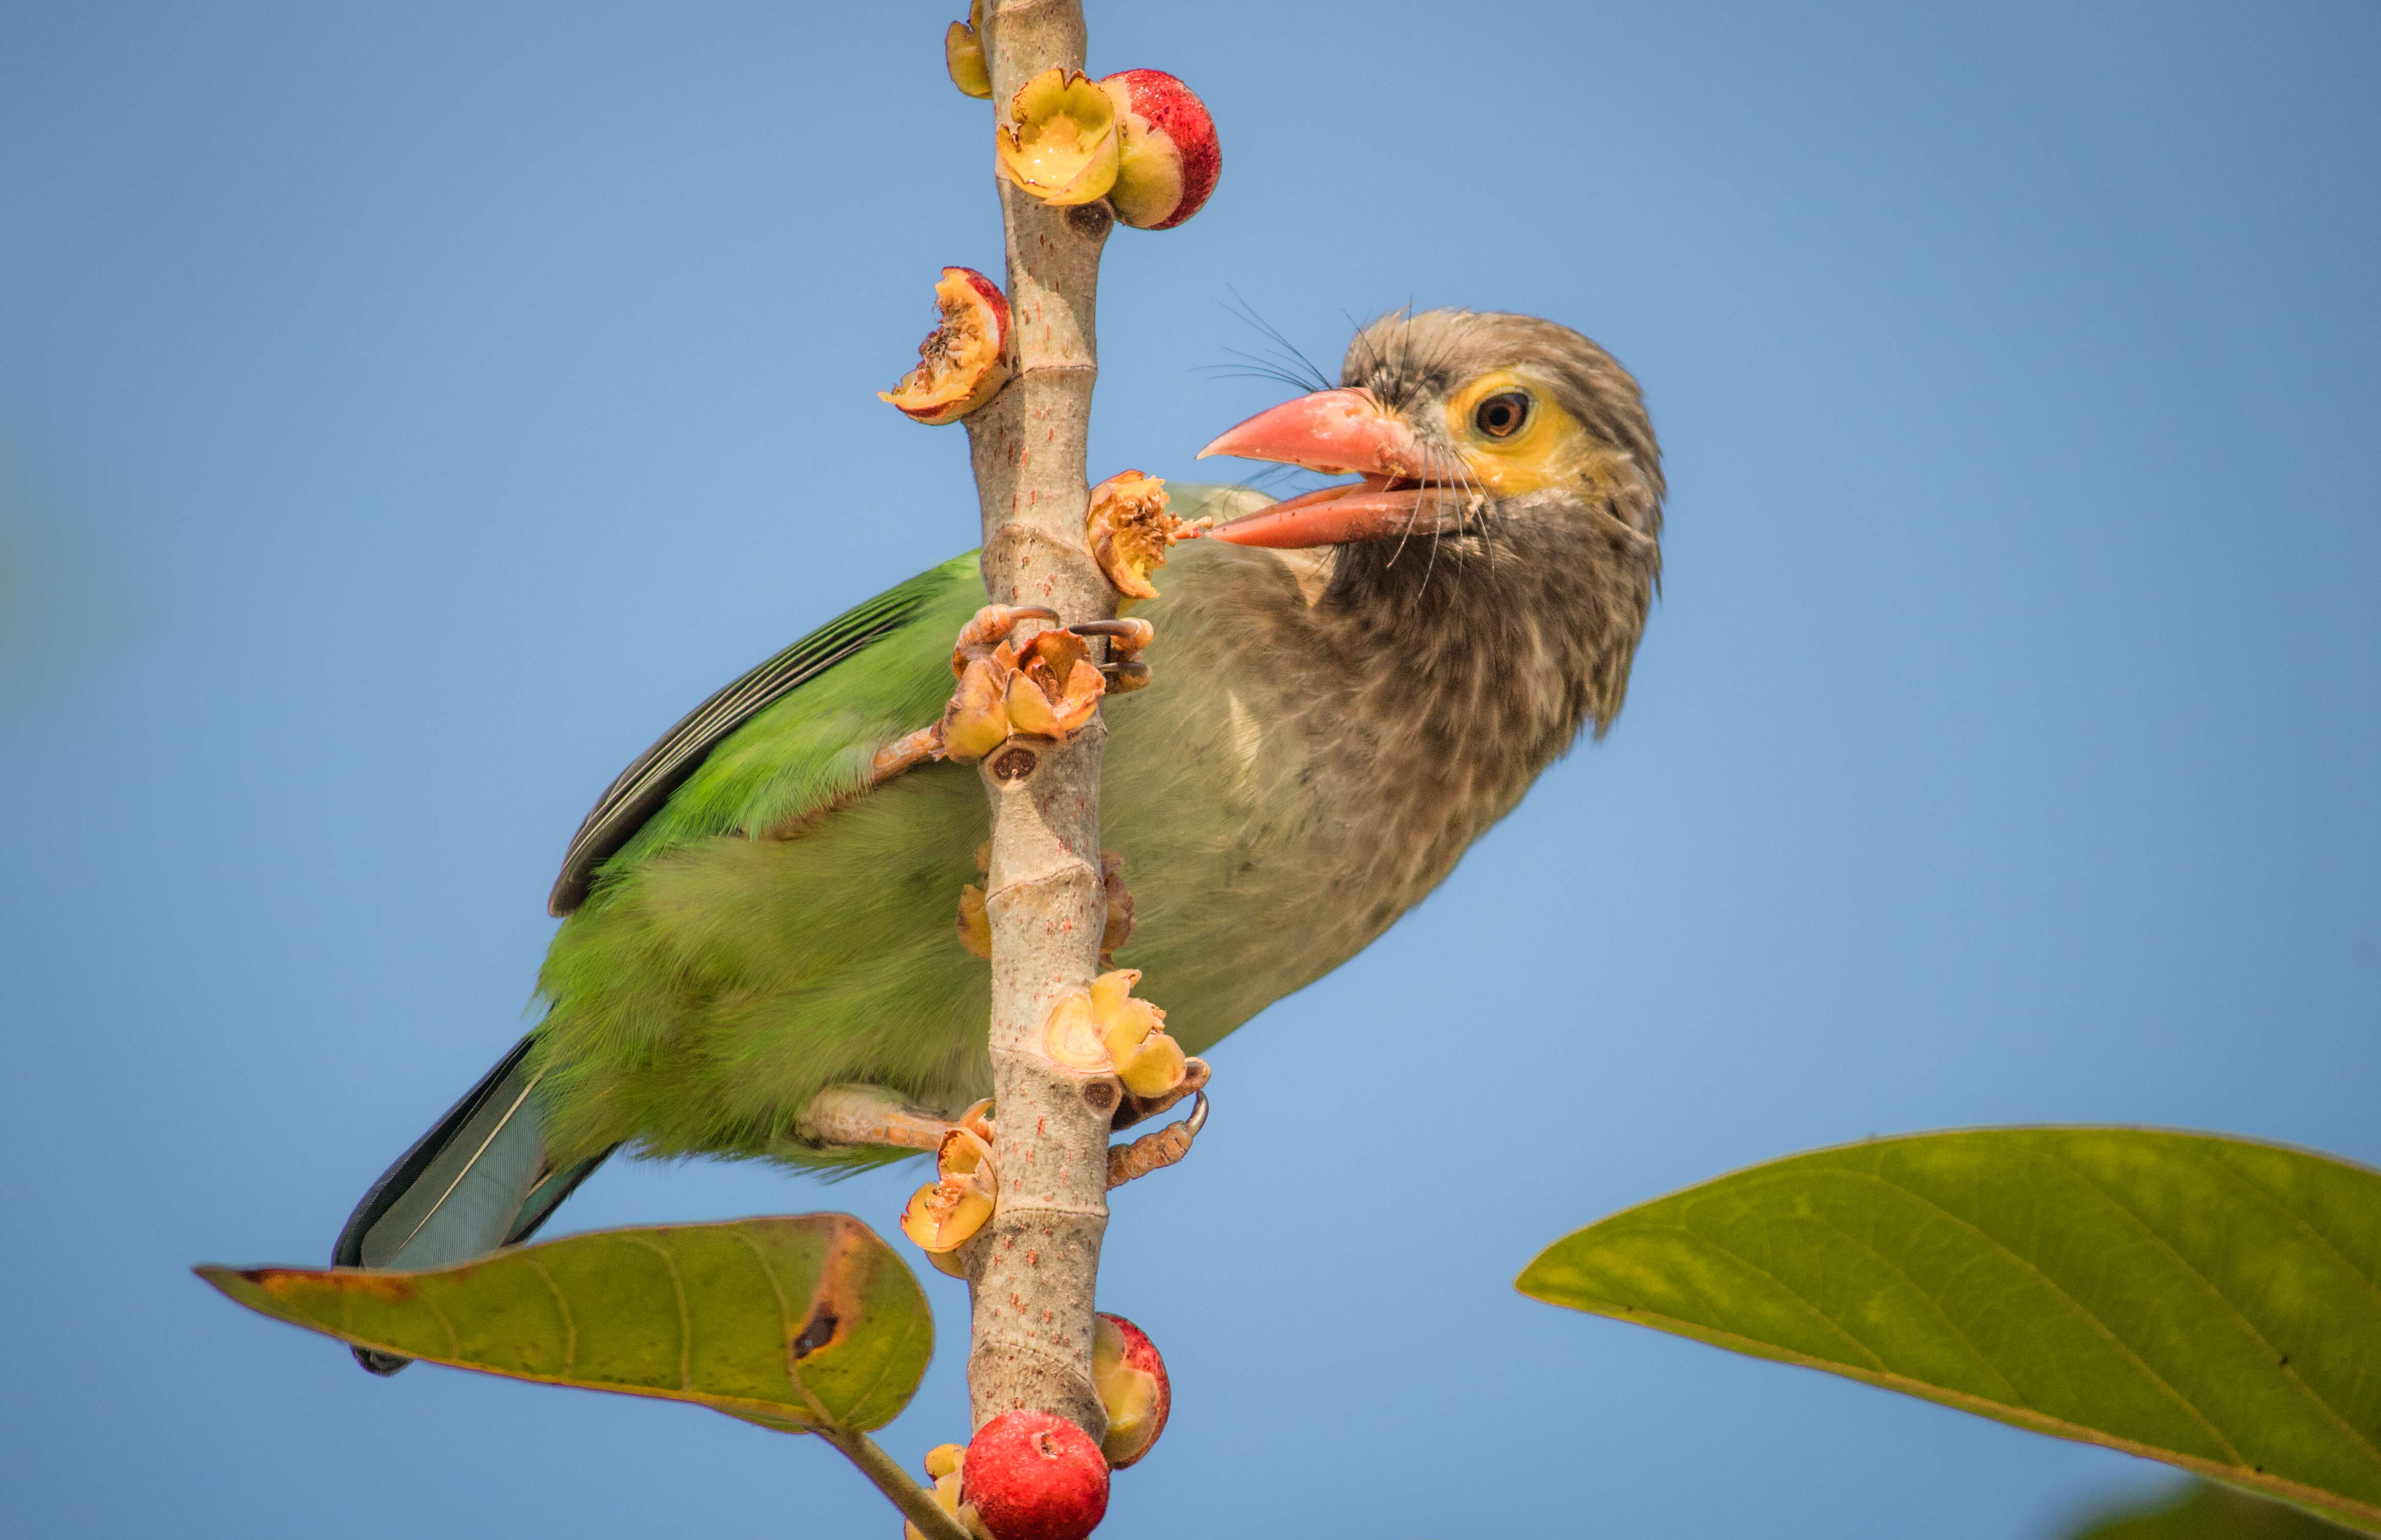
(916,1503)
(1034,1270)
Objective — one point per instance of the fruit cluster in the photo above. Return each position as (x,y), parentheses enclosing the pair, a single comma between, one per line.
(1106,1031)
(1139,139)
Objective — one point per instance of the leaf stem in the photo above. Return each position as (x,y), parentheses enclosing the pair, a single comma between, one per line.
(916,1503)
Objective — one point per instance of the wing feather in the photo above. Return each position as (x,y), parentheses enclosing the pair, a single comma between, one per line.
(646,784)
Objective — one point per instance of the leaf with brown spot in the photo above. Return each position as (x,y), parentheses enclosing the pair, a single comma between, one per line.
(796,1322)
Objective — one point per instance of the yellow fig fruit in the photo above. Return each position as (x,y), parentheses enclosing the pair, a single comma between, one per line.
(1155,1068)
(1110,993)
(1133,1030)
(1071,1038)
(977,721)
(943,1216)
(963,54)
(1060,142)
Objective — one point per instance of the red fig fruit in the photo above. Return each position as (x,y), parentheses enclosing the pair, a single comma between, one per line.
(964,361)
(1168,159)
(1034,1475)
(1131,1378)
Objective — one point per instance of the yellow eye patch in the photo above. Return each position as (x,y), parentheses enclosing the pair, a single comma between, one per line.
(1547,447)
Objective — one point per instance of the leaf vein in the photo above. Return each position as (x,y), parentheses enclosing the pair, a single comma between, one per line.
(685,1321)
(2218,1295)
(2097,1323)
(569,1323)
(1814,1311)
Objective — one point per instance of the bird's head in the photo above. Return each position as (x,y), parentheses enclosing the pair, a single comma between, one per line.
(1461,426)
(1509,505)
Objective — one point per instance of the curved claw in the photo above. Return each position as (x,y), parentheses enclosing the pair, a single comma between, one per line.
(1125,671)
(1154,1152)
(989,627)
(1135,633)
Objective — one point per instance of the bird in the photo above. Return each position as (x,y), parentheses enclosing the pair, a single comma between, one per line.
(1354,685)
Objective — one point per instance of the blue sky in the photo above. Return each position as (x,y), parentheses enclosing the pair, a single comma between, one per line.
(407,412)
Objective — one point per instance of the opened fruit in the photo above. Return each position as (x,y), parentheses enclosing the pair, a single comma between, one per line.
(1131,1378)
(1167,157)
(1055,687)
(1129,529)
(946,1213)
(963,54)
(1060,141)
(964,361)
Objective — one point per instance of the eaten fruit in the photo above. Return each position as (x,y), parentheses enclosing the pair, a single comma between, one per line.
(964,361)
(1071,1038)
(946,1213)
(1131,1381)
(1129,529)
(1034,1475)
(1055,687)
(1060,140)
(1167,157)
(963,54)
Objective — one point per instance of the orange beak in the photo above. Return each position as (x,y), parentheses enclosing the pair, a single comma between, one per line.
(1340,431)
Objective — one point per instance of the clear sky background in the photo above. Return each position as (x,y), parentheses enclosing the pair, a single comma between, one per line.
(407,412)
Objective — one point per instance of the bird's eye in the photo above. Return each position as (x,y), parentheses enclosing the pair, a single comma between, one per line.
(1501,415)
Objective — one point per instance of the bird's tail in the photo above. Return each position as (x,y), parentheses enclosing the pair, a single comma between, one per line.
(479,1180)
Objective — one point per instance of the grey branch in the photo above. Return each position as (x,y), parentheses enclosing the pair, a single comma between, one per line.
(1034,1268)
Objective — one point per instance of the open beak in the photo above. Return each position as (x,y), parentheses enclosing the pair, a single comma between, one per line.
(1340,431)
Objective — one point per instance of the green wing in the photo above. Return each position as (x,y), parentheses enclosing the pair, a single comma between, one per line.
(647,785)
(767,929)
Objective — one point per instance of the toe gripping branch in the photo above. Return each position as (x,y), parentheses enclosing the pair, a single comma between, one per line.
(1048,689)
(1153,1152)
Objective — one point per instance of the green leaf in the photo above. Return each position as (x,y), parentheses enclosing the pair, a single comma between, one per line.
(2207,1301)
(2205,1511)
(801,1323)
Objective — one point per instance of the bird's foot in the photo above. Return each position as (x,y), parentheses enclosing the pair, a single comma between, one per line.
(861,1116)
(1124,669)
(1153,1152)
(1134,1109)
(1121,1049)
(1048,689)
